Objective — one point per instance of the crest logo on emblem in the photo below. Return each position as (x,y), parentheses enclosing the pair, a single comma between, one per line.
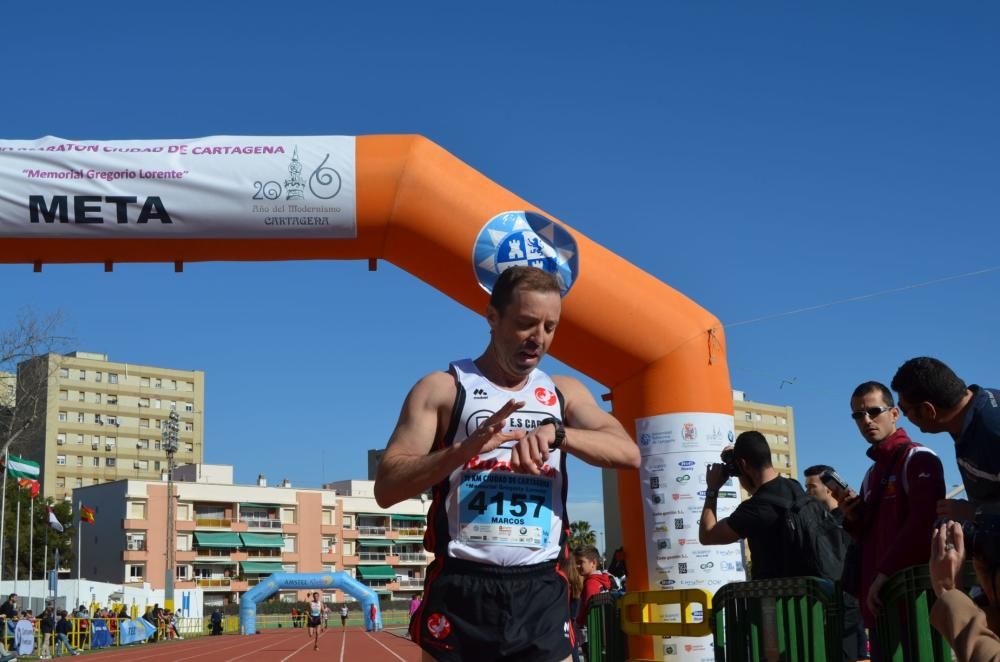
(525,239)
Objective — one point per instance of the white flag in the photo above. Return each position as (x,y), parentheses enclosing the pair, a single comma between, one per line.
(54,523)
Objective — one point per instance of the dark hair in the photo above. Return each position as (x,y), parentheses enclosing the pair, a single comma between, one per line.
(588,552)
(531,279)
(753,447)
(924,379)
(817,469)
(870,387)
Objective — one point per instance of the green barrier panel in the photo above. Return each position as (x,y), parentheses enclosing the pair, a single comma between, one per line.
(605,639)
(903,629)
(805,616)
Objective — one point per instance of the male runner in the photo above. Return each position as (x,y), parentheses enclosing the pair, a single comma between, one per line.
(491,437)
(315,619)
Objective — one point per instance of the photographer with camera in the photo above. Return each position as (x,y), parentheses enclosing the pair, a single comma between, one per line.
(970,631)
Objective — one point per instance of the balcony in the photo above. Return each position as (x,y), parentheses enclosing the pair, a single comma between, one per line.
(213,523)
(222,583)
(136,546)
(256,523)
(371,530)
(413,557)
(263,553)
(371,557)
(411,583)
(410,532)
(213,553)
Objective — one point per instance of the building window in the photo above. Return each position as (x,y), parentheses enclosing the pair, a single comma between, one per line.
(158,383)
(142,443)
(142,465)
(135,572)
(183,542)
(97,398)
(188,448)
(135,542)
(348,521)
(79,482)
(79,439)
(62,417)
(348,548)
(112,399)
(143,402)
(157,444)
(182,572)
(64,372)
(156,465)
(109,443)
(82,396)
(97,419)
(83,375)
(173,405)
(144,381)
(157,404)
(98,376)
(327,517)
(137,510)
(64,395)
(189,427)
(79,460)
(329,544)
(289,544)
(189,407)
(60,483)
(184,511)
(112,377)
(95,461)
(288,516)
(158,424)
(144,422)
(173,384)
(61,459)
(81,418)
(61,439)
(108,461)
(290,567)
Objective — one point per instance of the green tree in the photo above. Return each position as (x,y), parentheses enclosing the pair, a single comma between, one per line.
(581,534)
(39,529)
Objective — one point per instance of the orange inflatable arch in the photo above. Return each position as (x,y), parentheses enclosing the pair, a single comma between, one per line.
(421,209)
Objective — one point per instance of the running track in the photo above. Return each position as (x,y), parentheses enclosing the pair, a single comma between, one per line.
(336,644)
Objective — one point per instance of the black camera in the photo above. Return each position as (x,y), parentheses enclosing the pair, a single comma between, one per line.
(730,468)
(982,537)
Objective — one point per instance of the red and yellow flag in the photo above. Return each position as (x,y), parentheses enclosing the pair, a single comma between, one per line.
(86,514)
(29,484)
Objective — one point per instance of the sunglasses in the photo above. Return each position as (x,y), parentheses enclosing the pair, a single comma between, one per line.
(870,412)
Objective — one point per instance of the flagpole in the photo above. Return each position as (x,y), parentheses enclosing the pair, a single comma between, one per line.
(3,510)
(79,551)
(31,550)
(17,540)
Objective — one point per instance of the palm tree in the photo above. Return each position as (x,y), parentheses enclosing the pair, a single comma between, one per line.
(581,534)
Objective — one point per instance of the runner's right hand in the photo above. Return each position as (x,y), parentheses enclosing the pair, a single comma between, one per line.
(490,434)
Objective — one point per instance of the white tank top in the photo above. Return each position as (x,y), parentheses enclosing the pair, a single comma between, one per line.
(483,512)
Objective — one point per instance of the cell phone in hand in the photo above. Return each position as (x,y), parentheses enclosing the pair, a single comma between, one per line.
(832,479)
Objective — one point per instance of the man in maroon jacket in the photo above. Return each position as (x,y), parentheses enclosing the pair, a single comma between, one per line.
(894,515)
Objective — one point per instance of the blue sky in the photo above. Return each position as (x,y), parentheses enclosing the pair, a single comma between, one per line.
(759,158)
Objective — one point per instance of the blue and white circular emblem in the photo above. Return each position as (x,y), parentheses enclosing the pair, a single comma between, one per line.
(526,239)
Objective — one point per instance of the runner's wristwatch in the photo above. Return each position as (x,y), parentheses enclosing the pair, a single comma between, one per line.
(560,432)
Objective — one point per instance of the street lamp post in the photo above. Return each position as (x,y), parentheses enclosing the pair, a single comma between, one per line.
(171,427)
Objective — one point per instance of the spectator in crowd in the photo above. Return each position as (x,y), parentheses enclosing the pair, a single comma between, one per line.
(855,638)
(8,610)
(215,622)
(24,635)
(47,628)
(895,509)
(935,399)
(63,629)
(970,631)
(588,564)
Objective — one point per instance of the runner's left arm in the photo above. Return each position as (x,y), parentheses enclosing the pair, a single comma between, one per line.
(592,434)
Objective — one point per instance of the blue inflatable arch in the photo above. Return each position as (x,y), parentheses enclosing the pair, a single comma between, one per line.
(320,581)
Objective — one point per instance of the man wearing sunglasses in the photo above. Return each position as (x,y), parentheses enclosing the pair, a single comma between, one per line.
(935,399)
(896,507)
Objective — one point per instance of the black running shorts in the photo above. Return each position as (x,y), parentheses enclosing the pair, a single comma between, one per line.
(474,611)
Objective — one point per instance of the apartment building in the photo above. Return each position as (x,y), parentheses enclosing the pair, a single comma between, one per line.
(230,537)
(101,420)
